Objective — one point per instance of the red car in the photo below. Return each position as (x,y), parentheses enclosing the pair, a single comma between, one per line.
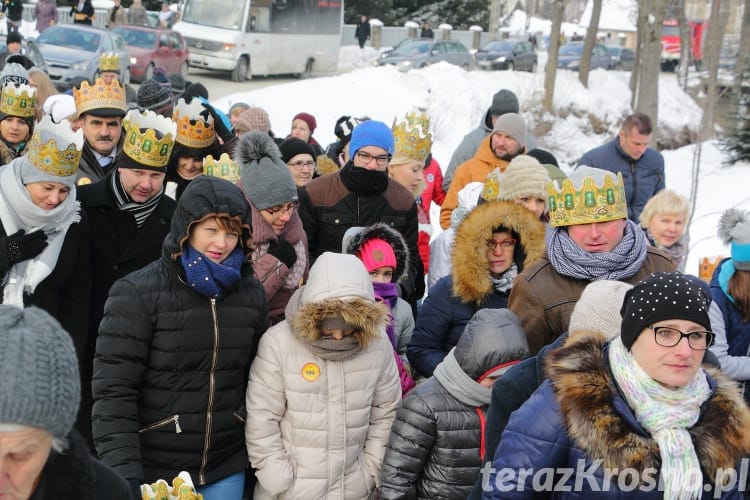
(151,47)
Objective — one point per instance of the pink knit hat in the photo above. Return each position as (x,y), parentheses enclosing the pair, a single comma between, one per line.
(377,253)
(307,118)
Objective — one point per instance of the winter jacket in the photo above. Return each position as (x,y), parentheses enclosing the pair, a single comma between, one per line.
(138,15)
(643,177)
(454,300)
(362,32)
(171,364)
(45,13)
(318,427)
(9,153)
(89,170)
(435,447)
(433,189)
(83,16)
(14,8)
(544,299)
(562,425)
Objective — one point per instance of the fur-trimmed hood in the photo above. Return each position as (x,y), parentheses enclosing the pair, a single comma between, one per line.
(356,237)
(471,277)
(587,395)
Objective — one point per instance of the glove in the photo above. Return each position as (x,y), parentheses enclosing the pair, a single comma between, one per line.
(20,246)
(222,125)
(283,251)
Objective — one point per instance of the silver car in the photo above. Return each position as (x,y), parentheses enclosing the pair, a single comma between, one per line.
(422,52)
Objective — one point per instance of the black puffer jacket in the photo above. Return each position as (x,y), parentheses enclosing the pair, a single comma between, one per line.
(434,450)
(170,369)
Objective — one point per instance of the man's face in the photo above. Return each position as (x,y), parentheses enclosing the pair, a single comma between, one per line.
(598,236)
(504,146)
(634,143)
(141,185)
(109,77)
(102,133)
(23,453)
(372,158)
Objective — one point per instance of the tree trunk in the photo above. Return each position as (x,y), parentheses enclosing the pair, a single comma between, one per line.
(685,52)
(742,68)
(716,24)
(554,46)
(650,19)
(639,35)
(588,45)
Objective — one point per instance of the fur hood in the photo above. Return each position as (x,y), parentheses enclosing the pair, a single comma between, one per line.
(353,242)
(471,278)
(585,391)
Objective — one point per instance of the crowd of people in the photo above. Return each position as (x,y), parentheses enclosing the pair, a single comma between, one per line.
(184,290)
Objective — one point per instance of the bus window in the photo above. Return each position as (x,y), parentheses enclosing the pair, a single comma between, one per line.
(306,16)
(226,14)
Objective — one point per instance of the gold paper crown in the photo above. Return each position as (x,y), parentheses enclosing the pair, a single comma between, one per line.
(223,168)
(109,61)
(99,95)
(193,130)
(411,141)
(55,148)
(418,119)
(141,141)
(590,203)
(18,100)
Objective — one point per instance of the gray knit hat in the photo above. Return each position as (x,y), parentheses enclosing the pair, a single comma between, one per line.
(13,72)
(152,95)
(39,381)
(513,125)
(503,102)
(734,230)
(598,308)
(264,177)
(524,176)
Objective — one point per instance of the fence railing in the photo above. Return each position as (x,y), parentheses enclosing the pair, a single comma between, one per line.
(391,35)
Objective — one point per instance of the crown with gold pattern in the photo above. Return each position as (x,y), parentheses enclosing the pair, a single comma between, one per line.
(193,130)
(100,96)
(223,168)
(412,141)
(149,138)
(109,61)
(55,148)
(418,119)
(589,202)
(18,100)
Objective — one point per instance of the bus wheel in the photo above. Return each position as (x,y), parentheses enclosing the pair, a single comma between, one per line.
(239,73)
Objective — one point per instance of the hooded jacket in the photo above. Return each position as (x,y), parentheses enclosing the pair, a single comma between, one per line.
(454,299)
(317,428)
(435,447)
(170,369)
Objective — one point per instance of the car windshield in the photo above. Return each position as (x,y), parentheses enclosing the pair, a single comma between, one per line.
(73,38)
(225,14)
(571,49)
(614,51)
(412,49)
(499,46)
(137,38)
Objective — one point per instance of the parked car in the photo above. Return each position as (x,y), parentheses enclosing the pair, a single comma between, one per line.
(570,54)
(512,54)
(387,52)
(620,58)
(422,52)
(28,48)
(151,47)
(72,52)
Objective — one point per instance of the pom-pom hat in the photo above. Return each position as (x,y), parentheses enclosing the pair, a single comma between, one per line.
(264,177)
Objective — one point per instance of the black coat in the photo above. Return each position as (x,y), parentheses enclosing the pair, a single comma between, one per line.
(89,170)
(170,369)
(362,31)
(83,16)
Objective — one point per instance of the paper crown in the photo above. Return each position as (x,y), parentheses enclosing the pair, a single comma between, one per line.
(142,144)
(55,148)
(18,100)
(412,142)
(193,130)
(223,168)
(99,95)
(418,119)
(587,204)
(109,61)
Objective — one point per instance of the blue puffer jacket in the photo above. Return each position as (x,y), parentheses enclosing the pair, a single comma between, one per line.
(643,177)
(577,422)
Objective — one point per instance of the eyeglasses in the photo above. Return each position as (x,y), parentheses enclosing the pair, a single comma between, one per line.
(505,244)
(289,208)
(666,336)
(297,165)
(364,159)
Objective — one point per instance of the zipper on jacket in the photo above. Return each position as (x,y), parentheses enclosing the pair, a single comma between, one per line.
(276,269)
(211,388)
(163,422)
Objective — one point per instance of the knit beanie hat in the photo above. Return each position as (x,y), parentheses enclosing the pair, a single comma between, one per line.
(307,118)
(292,147)
(662,296)
(333,322)
(503,102)
(264,178)
(13,37)
(371,133)
(237,107)
(153,96)
(376,253)
(598,308)
(13,72)
(523,177)
(39,380)
(513,125)
(254,118)
(734,230)
(178,84)
(344,127)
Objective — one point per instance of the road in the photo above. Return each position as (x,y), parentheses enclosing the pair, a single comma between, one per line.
(220,85)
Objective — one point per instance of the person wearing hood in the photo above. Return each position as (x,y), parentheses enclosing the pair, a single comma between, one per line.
(17,117)
(437,440)
(174,344)
(323,390)
(495,242)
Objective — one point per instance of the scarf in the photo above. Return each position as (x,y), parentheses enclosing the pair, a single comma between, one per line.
(140,211)
(388,294)
(462,387)
(621,263)
(330,349)
(362,181)
(676,251)
(666,414)
(18,212)
(207,277)
(504,282)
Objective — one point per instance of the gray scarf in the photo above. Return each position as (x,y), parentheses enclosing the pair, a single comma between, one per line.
(504,282)
(330,349)
(459,384)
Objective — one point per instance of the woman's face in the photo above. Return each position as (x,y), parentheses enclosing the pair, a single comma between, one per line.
(14,130)
(670,366)
(532,203)
(408,174)
(189,168)
(212,240)
(23,454)
(300,130)
(279,215)
(337,333)
(302,167)
(500,250)
(47,195)
(667,229)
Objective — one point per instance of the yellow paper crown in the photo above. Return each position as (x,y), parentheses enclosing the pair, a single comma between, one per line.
(142,144)
(223,168)
(193,130)
(18,100)
(99,95)
(418,119)
(55,148)
(109,61)
(589,203)
(411,142)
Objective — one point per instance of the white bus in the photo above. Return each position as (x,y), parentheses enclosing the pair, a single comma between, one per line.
(262,37)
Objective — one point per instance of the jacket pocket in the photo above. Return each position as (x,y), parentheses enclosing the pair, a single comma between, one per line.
(238,416)
(337,219)
(174,419)
(395,221)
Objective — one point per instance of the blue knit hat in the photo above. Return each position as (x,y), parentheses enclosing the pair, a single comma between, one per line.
(371,133)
